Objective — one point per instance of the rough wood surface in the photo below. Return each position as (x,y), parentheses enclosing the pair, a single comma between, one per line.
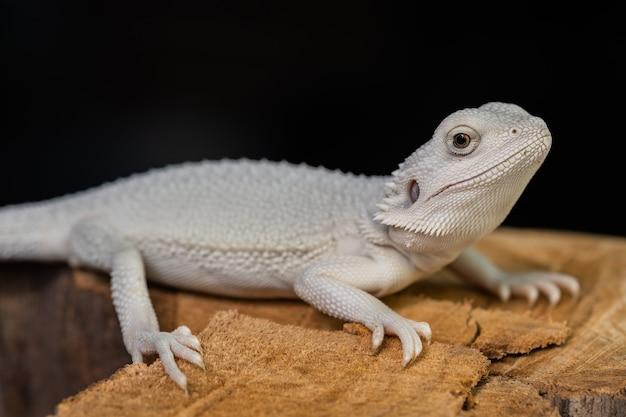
(499,396)
(260,368)
(584,376)
(55,338)
(587,375)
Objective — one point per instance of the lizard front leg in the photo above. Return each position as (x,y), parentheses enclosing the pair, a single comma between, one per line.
(475,268)
(340,286)
(93,243)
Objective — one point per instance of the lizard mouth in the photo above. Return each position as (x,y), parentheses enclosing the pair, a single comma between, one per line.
(537,149)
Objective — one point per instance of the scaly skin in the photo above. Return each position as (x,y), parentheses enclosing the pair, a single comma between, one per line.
(264,229)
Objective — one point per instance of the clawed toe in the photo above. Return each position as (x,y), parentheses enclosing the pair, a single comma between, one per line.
(377,337)
(180,343)
(423,330)
(408,331)
(184,330)
(411,345)
(531,285)
(551,291)
(188,354)
(191,342)
(504,292)
(164,350)
(528,291)
(567,283)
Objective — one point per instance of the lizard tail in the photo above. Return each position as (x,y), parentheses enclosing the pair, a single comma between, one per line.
(35,231)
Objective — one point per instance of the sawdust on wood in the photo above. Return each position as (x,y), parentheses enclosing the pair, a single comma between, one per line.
(259,368)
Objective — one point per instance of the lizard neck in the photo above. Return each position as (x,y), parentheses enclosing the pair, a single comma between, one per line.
(427,253)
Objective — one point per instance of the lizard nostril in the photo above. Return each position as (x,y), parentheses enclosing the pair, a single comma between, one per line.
(547,139)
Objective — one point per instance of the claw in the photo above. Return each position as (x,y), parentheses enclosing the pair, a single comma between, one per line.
(190,341)
(406,359)
(574,290)
(408,331)
(180,343)
(377,338)
(137,356)
(532,294)
(184,330)
(418,345)
(182,383)
(187,354)
(504,292)
(527,290)
(169,364)
(408,345)
(550,290)
(411,345)
(423,329)
(531,284)
(567,283)
(407,355)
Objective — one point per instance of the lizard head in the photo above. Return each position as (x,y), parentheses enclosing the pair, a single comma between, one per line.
(463,182)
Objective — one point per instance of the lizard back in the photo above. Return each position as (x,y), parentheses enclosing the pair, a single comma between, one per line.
(240,205)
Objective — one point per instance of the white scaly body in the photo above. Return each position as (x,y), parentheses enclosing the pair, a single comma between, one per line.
(265,229)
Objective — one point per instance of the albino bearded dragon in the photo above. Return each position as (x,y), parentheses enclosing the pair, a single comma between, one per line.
(263,229)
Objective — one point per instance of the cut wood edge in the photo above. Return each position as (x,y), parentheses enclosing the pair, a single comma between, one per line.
(495,332)
(503,333)
(590,405)
(586,376)
(499,396)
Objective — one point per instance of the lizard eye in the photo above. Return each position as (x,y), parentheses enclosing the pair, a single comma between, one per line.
(414,191)
(462,140)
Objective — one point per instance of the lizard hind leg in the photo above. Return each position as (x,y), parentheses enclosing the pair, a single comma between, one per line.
(95,244)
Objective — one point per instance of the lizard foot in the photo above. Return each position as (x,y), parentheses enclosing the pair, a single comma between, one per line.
(408,331)
(180,343)
(531,284)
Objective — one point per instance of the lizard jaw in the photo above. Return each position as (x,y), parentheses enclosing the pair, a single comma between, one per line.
(539,149)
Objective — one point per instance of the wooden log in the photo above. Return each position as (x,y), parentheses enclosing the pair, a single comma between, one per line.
(55,338)
(261,368)
(498,396)
(587,375)
(584,376)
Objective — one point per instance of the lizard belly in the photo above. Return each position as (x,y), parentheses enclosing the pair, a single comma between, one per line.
(248,274)
(182,274)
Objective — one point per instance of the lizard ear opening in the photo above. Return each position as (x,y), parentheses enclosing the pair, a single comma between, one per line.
(414,191)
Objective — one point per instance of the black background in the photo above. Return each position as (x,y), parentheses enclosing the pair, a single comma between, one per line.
(98,90)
